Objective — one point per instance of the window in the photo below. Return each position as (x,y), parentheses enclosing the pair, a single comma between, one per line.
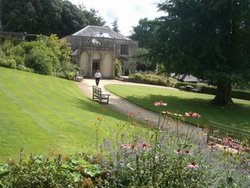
(124,49)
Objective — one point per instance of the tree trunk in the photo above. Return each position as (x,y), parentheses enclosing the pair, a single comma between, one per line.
(223,95)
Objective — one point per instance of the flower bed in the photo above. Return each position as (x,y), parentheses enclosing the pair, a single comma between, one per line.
(132,157)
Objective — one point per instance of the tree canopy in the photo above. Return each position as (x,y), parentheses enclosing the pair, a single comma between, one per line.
(208,39)
(46,16)
(144,32)
(115,26)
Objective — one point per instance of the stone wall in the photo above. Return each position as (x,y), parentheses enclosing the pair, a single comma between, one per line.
(103,46)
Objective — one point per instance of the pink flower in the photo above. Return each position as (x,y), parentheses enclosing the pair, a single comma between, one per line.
(160,103)
(193,165)
(186,152)
(145,146)
(178,151)
(127,146)
(196,115)
(192,114)
(230,143)
(157,104)
(212,146)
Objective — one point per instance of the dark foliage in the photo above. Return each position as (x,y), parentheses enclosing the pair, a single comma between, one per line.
(46,17)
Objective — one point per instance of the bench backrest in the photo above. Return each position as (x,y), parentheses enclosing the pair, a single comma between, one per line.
(97,90)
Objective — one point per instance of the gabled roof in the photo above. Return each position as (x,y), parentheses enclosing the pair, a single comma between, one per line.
(100,31)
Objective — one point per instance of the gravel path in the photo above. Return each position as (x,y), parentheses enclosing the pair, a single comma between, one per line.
(124,106)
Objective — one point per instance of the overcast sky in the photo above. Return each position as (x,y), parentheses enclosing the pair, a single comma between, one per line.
(128,12)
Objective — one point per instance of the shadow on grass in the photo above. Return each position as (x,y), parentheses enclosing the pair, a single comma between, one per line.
(236,116)
(99,109)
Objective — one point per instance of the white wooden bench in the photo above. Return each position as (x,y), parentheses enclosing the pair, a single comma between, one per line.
(101,97)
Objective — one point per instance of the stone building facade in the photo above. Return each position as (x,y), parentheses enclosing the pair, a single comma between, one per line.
(96,48)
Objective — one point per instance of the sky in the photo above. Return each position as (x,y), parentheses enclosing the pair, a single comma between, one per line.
(128,12)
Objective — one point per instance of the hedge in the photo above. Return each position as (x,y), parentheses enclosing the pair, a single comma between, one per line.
(163,81)
(239,94)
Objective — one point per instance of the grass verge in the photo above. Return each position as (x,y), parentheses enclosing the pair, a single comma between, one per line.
(47,115)
(236,116)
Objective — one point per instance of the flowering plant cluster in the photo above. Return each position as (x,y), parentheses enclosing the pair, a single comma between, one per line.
(229,142)
(143,146)
(165,158)
(134,156)
(192,114)
(160,103)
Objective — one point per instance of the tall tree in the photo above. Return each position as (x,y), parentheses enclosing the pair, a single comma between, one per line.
(142,60)
(72,18)
(209,39)
(115,26)
(144,32)
(92,17)
(46,16)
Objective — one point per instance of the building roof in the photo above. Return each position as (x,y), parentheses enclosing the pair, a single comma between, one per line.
(100,31)
(190,78)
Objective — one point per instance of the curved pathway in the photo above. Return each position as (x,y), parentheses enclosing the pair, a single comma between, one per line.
(126,107)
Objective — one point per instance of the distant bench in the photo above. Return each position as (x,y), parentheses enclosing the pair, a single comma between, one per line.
(101,97)
(191,88)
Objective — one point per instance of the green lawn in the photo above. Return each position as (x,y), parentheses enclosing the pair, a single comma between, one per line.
(44,114)
(237,116)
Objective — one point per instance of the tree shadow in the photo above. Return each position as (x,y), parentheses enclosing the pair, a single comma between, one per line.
(101,109)
(236,116)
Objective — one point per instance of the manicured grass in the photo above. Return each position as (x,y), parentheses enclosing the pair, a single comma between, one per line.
(44,114)
(237,116)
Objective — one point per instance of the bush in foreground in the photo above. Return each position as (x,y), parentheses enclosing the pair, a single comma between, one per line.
(171,158)
(138,157)
(40,171)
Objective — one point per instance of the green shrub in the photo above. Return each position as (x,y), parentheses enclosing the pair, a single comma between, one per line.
(60,74)
(179,84)
(9,63)
(46,55)
(23,68)
(152,79)
(40,171)
(118,68)
(208,89)
(70,75)
(18,54)
(137,76)
(40,60)
(241,94)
